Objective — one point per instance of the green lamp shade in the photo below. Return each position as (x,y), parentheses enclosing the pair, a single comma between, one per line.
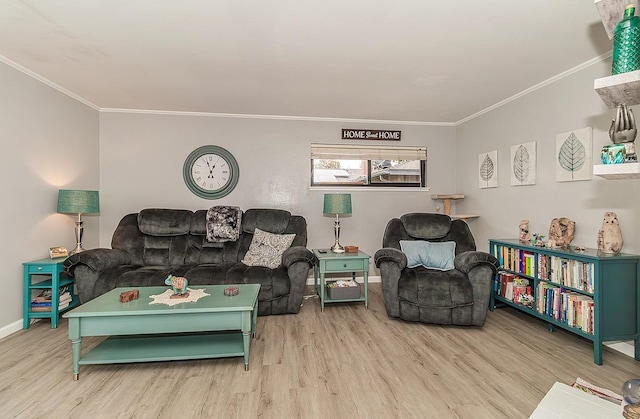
(78,202)
(335,203)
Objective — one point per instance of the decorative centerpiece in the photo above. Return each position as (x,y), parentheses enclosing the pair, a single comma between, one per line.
(179,286)
(561,232)
(231,291)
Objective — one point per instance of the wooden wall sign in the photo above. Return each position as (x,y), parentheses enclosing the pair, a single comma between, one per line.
(370,134)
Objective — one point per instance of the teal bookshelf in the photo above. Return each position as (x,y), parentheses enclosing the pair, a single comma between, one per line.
(563,283)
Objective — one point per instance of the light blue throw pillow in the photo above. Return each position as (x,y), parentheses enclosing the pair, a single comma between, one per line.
(414,249)
(430,255)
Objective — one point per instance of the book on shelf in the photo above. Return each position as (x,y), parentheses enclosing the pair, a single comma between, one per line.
(42,302)
(45,296)
(47,307)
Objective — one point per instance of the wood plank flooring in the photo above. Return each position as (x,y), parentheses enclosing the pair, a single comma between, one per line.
(343,362)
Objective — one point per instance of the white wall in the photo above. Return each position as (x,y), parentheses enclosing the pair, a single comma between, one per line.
(49,141)
(142,156)
(565,105)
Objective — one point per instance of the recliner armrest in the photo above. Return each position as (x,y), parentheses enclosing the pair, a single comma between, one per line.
(297,254)
(466,261)
(97,259)
(389,254)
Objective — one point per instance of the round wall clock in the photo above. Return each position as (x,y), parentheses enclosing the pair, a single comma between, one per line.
(211,172)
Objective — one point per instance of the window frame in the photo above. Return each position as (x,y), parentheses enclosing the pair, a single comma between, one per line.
(364,153)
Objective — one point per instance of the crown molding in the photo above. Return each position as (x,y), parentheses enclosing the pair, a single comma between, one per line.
(47,82)
(308,118)
(275,117)
(538,86)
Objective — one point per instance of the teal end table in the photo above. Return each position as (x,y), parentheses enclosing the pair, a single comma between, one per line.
(330,263)
(45,274)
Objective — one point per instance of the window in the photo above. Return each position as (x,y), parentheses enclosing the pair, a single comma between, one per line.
(368,166)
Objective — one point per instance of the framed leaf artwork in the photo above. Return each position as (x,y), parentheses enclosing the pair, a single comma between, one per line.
(574,155)
(488,169)
(523,164)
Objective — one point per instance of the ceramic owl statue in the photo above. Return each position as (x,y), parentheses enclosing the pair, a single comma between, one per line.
(610,235)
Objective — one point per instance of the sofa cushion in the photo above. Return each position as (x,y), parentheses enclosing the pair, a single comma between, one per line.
(266,249)
(271,220)
(435,297)
(164,222)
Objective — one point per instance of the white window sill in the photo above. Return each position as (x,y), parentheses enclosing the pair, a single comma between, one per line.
(369,188)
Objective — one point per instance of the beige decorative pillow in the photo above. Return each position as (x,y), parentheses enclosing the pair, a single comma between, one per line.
(266,249)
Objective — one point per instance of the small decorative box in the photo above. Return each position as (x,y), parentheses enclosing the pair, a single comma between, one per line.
(351,249)
(130,295)
(231,291)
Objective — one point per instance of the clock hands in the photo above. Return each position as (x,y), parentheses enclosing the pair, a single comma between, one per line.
(210,169)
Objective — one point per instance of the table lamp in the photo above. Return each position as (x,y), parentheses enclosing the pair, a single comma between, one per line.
(78,202)
(337,204)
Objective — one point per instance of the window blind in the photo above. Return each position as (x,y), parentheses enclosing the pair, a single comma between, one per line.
(360,152)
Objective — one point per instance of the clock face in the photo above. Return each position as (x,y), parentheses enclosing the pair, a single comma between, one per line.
(211,172)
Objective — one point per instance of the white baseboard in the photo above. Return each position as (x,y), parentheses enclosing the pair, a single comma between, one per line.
(10,328)
(624,347)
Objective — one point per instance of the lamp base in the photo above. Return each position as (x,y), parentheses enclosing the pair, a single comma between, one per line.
(79,231)
(78,249)
(337,248)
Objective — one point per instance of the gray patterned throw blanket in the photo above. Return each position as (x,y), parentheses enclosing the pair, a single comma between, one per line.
(223,224)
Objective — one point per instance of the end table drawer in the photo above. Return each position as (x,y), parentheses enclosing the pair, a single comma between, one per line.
(34,269)
(345,265)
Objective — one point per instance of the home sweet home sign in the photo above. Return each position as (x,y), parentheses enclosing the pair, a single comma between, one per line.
(370,134)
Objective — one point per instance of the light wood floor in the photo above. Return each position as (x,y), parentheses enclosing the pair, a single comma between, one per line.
(344,362)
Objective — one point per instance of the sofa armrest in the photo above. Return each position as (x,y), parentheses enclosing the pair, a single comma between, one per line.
(467,261)
(389,254)
(297,254)
(97,259)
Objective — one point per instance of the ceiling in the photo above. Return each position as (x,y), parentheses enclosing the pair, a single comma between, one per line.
(404,60)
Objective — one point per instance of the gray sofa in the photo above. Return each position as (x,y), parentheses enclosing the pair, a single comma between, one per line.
(148,246)
(456,295)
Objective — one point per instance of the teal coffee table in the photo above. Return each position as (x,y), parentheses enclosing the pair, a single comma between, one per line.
(215,326)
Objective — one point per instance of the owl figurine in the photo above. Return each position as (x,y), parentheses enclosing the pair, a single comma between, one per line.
(610,235)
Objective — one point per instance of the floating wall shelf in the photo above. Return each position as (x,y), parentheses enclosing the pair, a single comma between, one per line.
(623,88)
(611,12)
(620,88)
(617,171)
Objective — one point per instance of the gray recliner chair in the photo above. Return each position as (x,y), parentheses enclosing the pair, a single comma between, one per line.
(457,296)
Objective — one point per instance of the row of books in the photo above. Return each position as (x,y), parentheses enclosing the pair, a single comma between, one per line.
(514,288)
(565,306)
(517,260)
(42,302)
(568,272)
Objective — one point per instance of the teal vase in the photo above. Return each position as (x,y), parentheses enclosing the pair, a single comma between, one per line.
(626,43)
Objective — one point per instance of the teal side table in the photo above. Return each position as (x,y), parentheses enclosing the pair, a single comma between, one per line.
(329,263)
(45,274)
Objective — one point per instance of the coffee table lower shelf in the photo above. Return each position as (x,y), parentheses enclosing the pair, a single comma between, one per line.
(174,347)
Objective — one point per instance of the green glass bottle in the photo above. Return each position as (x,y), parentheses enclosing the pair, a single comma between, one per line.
(626,43)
